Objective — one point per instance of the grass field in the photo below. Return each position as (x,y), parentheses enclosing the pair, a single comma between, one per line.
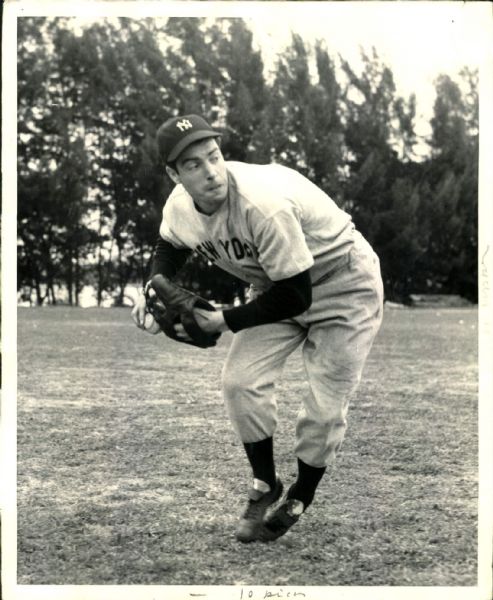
(129,473)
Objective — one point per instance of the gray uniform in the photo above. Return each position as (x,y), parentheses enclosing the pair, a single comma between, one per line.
(275,224)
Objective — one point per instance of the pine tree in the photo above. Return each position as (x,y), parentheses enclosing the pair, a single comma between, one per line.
(382,186)
(52,167)
(450,204)
(244,90)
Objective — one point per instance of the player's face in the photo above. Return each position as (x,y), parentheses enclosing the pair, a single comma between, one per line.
(202,172)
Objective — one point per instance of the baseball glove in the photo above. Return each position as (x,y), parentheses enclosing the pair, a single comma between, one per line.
(172,304)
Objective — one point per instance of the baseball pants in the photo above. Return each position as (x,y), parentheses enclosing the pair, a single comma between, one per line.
(336,334)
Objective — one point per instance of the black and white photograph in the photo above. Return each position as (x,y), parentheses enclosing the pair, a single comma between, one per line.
(246,300)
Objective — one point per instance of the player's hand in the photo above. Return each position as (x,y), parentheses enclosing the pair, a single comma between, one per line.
(209,321)
(139,311)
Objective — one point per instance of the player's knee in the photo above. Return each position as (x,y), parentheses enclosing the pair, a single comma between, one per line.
(326,417)
(332,422)
(236,382)
(251,420)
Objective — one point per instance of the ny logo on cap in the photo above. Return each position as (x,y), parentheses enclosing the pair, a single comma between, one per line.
(184,125)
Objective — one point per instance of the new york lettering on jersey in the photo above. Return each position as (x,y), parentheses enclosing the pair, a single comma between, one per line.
(233,249)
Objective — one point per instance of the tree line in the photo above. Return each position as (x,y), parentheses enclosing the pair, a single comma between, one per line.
(91,188)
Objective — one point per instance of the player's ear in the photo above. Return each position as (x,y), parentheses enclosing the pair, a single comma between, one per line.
(173,174)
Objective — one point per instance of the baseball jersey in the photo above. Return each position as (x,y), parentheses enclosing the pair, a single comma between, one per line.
(274,224)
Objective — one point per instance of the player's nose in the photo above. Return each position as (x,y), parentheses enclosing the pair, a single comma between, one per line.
(210,171)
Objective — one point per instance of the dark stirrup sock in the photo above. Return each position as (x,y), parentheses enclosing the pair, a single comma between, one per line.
(261,457)
(308,479)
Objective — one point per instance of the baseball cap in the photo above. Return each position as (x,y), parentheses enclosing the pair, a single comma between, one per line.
(178,133)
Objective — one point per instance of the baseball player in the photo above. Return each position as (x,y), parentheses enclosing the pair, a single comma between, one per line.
(315,283)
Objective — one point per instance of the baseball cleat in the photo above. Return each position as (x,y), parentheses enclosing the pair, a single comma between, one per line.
(251,522)
(282,519)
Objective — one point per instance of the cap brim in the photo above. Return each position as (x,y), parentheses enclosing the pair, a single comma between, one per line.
(190,139)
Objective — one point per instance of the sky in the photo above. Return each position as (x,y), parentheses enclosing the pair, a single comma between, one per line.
(417,40)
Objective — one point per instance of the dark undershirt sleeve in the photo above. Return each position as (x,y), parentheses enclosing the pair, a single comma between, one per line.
(285,299)
(167,260)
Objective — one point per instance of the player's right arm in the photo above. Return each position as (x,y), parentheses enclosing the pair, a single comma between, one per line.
(166,260)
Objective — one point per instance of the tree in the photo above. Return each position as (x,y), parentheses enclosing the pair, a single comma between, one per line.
(301,125)
(449,210)
(382,186)
(279,137)
(371,158)
(127,70)
(244,89)
(192,47)
(52,167)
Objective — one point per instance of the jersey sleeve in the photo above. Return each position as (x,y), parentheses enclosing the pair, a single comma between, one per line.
(175,218)
(282,248)
(167,234)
